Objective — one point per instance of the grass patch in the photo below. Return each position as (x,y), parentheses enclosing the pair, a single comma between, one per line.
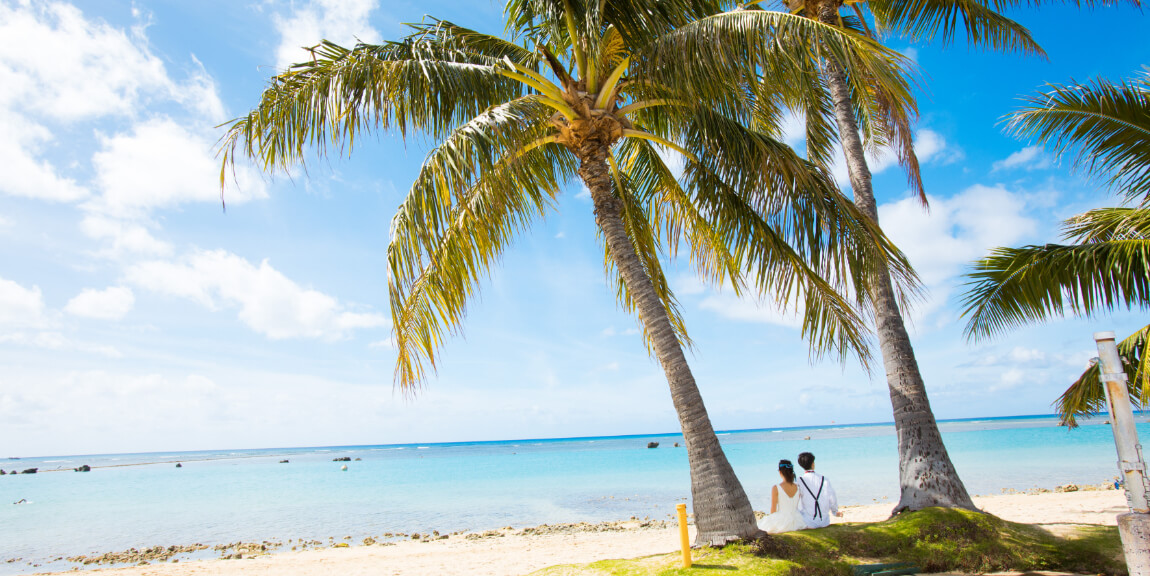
(935,539)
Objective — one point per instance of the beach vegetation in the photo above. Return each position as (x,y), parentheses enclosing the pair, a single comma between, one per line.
(1105,265)
(932,539)
(613,95)
(834,116)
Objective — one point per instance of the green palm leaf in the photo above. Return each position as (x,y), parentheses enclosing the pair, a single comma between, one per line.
(1087,395)
(1105,126)
(1016,286)
(921,20)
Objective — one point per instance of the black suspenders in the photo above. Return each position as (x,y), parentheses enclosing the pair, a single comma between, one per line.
(818,513)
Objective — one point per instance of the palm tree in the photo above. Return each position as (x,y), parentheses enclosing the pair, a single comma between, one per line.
(1107,263)
(583,98)
(836,111)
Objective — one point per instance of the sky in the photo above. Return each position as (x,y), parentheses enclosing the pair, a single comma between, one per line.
(137,315)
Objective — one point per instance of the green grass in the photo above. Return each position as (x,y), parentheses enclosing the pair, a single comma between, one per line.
(935,539)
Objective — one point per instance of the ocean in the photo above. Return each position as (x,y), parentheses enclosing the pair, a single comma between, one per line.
(215,497)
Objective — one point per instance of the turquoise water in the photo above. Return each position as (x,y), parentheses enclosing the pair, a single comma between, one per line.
(139,500)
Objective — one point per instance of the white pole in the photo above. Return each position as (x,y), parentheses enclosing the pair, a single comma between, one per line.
(1134,526)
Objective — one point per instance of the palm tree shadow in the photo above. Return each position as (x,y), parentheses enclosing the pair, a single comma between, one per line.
(713,567)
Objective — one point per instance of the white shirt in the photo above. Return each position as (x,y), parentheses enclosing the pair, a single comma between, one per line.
(817,499)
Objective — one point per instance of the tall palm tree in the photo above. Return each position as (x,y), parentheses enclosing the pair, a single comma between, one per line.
(1106,265)
(583,98)
(871,119)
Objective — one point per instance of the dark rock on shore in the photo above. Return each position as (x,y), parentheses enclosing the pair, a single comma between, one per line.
(84,468)
(343,459)
(652,444)
(30,471)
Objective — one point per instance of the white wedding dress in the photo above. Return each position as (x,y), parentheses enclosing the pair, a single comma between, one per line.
(788,518)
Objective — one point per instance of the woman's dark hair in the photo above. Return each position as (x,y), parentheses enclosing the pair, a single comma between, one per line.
(787,470)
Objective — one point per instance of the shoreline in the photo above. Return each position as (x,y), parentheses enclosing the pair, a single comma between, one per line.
(512,551)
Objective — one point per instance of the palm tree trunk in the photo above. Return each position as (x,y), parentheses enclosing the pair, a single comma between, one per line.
(926,475)
(722,510)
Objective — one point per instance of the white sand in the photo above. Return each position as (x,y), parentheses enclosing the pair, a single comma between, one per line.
(522,554)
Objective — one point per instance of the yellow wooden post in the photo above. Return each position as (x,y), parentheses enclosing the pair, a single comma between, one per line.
(684,539)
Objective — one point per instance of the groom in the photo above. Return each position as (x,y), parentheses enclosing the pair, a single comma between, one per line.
(817,499)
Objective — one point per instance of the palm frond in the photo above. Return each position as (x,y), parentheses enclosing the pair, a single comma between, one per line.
(1015,286)
(1087,396)
(1105,126)
(410,85)
(437,261)
(1106,224)
(943,20)
(715,56)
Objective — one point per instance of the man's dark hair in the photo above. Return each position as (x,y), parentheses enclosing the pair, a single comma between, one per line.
(807,461)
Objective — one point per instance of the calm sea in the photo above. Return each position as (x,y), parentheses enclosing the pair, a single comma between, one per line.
(139,500)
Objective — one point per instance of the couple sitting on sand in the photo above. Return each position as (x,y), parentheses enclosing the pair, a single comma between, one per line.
(800,503)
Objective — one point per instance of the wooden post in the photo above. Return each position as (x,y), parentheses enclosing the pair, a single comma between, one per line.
(684,539)
(1134,526)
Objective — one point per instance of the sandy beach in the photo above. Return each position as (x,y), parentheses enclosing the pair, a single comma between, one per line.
(518,551)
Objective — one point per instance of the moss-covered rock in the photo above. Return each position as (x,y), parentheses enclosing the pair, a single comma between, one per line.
(935,539)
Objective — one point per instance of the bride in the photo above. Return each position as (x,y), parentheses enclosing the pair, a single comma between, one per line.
(785,516)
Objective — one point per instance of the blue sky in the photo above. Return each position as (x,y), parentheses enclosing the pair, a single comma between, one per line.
(136,316)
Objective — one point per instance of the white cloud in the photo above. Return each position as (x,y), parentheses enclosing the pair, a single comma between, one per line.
(340,21)
(385,344)
(25,175)
(125,237)
(748,309)
(269,302)
(112,303)
(20,306)
(1029,158)
(55,62)
(161,165)
(954,232)
(929,146)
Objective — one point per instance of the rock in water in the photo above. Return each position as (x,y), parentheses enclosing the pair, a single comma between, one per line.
(283,461)
(343,459)
(676,444)
(652,444)
(30,471)
(2,472)
(84,468)
(178,465)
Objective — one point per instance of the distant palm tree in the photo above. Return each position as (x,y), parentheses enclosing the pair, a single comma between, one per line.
(585,98)
(870,119)
(1107,265)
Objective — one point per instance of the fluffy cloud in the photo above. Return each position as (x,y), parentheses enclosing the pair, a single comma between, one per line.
(340,21)
(954,232)
(748,309)
(25,175)
(269,302)
(929,146)
(161,164)
(112,303)
(1029,158)
(124,237)
(55,62)
(20,306)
